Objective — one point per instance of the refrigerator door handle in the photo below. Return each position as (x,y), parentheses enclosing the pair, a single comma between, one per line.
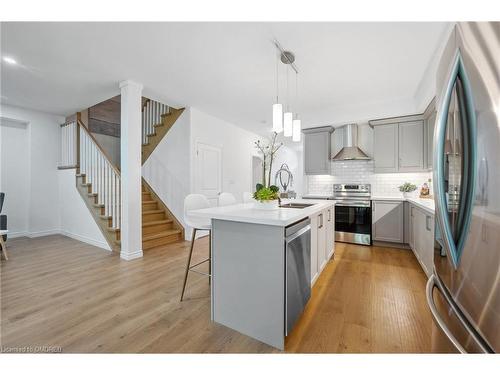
(434,283)
(457,75)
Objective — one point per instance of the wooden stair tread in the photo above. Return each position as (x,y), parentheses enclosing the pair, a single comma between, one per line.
(152,212)
(157,222)
(146,202)
(165,233)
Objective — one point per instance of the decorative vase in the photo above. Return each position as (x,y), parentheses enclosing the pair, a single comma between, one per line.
(406,194)
(266,205)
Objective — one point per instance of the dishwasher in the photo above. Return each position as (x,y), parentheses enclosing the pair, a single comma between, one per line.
(297,271)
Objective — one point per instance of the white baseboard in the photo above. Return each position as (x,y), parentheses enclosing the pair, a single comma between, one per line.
(17,234)
(90,241)
(43,233)
(130,256)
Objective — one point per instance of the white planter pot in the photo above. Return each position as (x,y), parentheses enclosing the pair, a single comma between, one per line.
(267,205)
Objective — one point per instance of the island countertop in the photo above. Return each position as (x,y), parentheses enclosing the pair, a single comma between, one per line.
(247,213)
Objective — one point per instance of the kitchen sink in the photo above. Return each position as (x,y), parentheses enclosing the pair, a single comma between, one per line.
(296,205)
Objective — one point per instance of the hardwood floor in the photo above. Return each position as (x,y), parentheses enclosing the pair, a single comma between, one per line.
(56,291)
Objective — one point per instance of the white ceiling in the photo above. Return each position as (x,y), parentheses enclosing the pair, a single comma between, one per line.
(347,70)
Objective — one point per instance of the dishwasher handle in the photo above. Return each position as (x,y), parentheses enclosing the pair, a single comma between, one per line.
(299,233)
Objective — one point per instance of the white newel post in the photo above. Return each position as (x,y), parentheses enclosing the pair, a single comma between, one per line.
(130,147)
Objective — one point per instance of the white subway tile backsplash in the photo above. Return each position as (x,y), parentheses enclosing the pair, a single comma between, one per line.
(383,184)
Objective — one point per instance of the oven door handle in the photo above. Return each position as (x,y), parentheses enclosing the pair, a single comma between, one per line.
(352,204)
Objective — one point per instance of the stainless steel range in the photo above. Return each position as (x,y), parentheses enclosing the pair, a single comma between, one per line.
(353,213)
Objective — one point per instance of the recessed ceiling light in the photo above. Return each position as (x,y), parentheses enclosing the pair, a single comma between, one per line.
(9,60)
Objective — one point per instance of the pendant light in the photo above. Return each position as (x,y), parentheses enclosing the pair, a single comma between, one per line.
(277,107)
(288,116)
(296,125)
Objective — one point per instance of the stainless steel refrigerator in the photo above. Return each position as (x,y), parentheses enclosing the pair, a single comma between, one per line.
(464,291)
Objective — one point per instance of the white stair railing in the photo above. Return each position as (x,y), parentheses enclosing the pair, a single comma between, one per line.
(68,156)
(101,174)
(80,150)
(151,116)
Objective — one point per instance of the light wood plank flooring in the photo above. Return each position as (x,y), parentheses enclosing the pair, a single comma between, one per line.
(56,291)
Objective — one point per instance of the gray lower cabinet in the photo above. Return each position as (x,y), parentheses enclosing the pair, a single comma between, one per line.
(317,150)
(388,221)
(322,240)
(411,146)
(385,148)
(422,237)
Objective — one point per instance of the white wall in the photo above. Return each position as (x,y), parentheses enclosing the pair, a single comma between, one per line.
(237,150)
(40,199)
(14,175)
(168,169)
(43,138)
(76,221)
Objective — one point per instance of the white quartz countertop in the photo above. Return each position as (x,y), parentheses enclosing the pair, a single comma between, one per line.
(247,213)
(424,203)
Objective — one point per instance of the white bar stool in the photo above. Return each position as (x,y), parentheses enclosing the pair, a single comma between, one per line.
(226,199)
(196,202)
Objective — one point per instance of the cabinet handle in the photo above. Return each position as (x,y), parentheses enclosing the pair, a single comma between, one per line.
(427,225)
(329,215)
(321,221)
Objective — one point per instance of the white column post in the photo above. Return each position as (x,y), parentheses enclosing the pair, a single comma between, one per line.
(130,148)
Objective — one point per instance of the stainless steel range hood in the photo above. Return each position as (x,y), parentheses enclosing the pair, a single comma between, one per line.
(350,149)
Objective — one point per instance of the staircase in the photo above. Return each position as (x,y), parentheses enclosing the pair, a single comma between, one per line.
(159,225)
(98,180)
(157,119)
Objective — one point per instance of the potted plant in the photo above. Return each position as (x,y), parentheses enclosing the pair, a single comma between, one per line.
(407,188)
(267,195)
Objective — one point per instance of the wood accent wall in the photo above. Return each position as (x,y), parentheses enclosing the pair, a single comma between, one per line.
(104,118)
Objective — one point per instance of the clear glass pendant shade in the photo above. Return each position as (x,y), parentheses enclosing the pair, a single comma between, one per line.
(277,118)
(287,124)
(296,129)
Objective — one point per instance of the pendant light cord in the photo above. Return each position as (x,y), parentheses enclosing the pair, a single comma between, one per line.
(296,95)
(287,92)
(277,79)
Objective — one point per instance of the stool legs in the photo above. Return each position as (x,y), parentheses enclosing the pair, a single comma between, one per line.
(188,263)
(3,248)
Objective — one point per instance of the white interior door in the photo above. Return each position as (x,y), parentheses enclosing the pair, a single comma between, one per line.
(209,171)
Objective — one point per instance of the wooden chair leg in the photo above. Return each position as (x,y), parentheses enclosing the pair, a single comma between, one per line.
(188,263)
(3,248)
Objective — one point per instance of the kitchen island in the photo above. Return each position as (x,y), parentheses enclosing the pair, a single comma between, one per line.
(250,270)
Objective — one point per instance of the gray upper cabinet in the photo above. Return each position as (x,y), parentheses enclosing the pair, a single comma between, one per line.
(399,144)
(411,146)
(317,150)
(385,148)
(429,129)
